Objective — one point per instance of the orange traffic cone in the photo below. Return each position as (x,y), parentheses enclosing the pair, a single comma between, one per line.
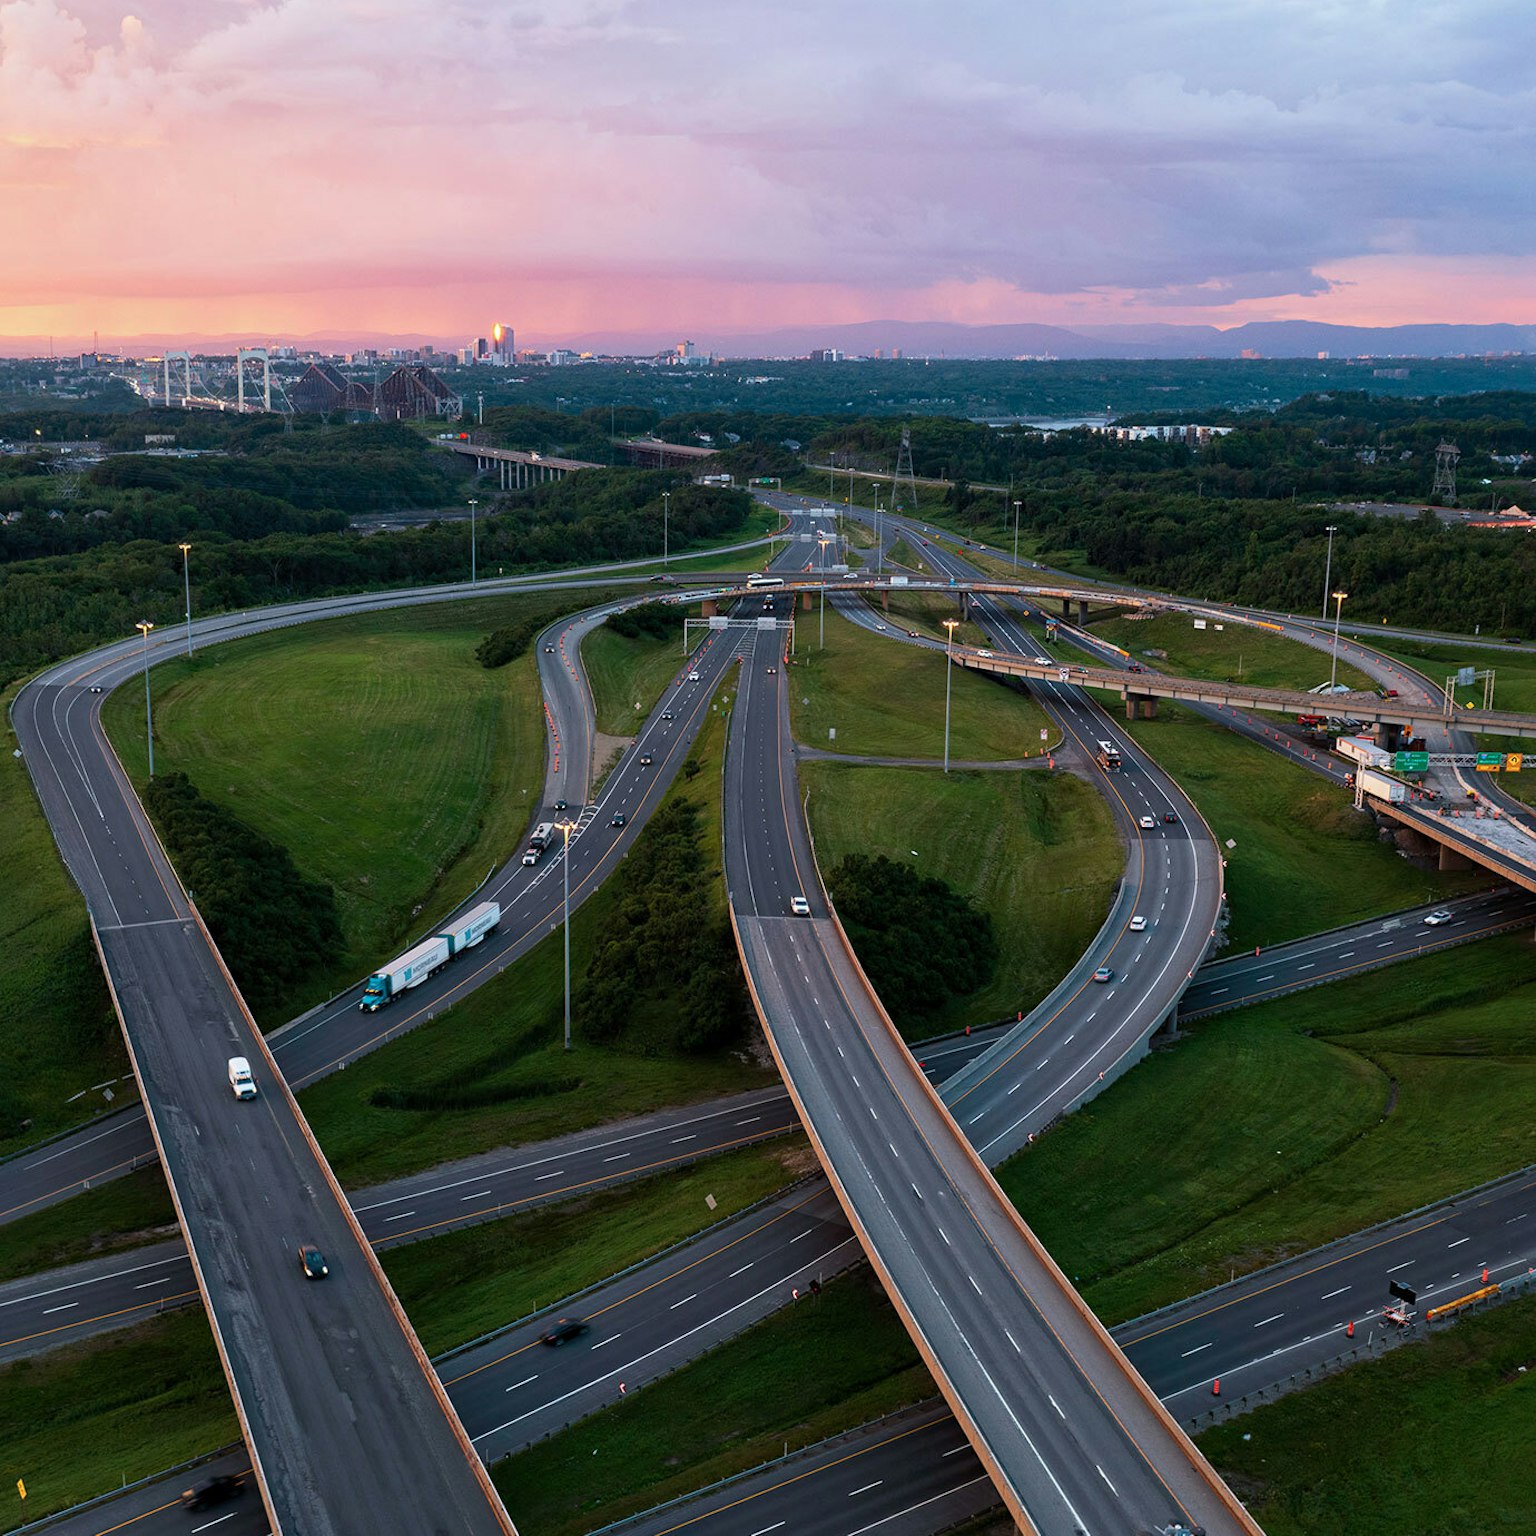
(1349,1332)
(1485,1274)
(1216,1387)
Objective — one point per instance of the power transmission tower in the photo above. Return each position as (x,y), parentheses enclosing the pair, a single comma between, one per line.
(904,486)
(1446,457)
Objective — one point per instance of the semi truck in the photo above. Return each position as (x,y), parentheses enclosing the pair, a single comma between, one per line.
(1394,791)
(419,962)
(1361,750)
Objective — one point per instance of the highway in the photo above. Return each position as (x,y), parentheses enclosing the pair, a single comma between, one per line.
(1072,1437)
(346,1435)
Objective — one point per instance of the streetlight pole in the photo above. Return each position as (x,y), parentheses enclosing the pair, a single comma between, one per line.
(1333,675)
(666,519)
(949,667)
(823,541)
(472,505)
(1016,506)
(186,578)
(565,826)
(1328,568)
(144,627)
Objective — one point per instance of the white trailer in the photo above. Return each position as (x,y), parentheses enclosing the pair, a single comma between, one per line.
(472,927)
(1393,791)
(1364,751)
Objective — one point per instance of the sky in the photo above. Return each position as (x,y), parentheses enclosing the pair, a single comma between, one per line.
(282,168)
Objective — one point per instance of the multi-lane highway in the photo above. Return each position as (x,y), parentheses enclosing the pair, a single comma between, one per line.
(1068,1433)
(347,1425)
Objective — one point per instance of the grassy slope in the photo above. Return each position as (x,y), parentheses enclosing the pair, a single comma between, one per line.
(1434,1439)
(793,1380)
(58,1035)
(509,1032)
(1304,859)
(124,1213)
(85,1419)
(887,699)
(467,1283)
(1236,653)
(330,739)
(1037,851)
(1272,1129)
(624,673)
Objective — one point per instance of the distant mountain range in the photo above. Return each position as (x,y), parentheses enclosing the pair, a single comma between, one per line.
(929,338)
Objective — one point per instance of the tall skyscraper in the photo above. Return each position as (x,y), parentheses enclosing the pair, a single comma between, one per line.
(503,346)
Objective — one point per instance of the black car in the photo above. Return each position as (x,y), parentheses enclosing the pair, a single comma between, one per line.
(566,1329)
(618,819)
(312,1262)
(549,650)
(1170,817)
(560,805)
(211,1491)
(645,759)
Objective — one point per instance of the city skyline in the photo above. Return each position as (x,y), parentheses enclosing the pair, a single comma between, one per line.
(637,166)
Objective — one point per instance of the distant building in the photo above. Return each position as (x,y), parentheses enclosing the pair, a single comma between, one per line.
(826,355)
(413,393)
(559,357)
(503,346)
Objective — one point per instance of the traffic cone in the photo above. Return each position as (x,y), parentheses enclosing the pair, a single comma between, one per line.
(1216,1387)
(1349,1332)
(1485,1274)
(967,1030)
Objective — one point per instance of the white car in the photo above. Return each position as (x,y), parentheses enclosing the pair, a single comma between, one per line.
(1147,823)
(693,677)
(1138,924)
(1436,918)
(987,654)
(799,906)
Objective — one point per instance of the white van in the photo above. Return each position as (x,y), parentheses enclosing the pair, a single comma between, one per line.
(241,1083)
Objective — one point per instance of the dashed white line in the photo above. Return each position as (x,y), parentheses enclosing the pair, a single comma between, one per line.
(1275,1317)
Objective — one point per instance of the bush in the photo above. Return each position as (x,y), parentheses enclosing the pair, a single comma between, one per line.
(667,978)
(650,621)
(273,926)
(920,940)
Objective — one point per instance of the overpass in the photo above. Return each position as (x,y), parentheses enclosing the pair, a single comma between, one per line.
(1141,689)
(516,469)
(653,453)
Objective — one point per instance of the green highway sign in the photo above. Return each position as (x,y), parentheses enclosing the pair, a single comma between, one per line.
(1490,759)
(1410,762)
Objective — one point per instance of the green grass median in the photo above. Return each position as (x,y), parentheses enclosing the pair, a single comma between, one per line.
(1037,851)
(122,1213)
(468,1283)
(627,677)
(883,698)
(789,1382)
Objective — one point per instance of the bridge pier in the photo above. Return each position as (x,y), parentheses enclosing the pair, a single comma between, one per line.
(885,600)
(1140,706)
(1082,612)
(1451,859)
(709,608)
(805,602)
(965,605)
(1389,735)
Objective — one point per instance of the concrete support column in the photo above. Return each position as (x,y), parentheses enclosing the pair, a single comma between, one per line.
(1066,607)
(709,608)
(885,600)
(806,604)
(1140,706)
(1451,859)
(1388,735)
(1082,612)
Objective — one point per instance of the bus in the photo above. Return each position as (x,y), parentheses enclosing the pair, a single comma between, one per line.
(757,579)
(1108,757)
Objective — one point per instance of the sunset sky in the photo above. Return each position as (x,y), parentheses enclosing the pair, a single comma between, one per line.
(215,167)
